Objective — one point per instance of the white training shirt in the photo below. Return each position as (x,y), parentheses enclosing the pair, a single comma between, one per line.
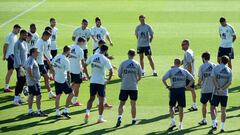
(61,66)
(41,45)
(79,32)
(75,58)
(11,39)
(99,63)
(47,50)
(54,39)
(32,43)
(226,33)
(98,33)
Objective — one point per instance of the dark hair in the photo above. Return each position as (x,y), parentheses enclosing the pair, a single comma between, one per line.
(81,39)
(224,59)
(222,19)
(48,28)
(186,41)
(97,19)
(206,55)
(52,19)
(47,33)
(131,52)
(23,32)
(66,48)
(141,16)
(29,34)
(32,25)
(101,41)
(177,61)
(17,26)
(32,50)
(85,20)
(104,48)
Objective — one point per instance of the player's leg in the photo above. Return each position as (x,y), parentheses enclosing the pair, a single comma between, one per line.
(30,102)
(148,53)
(122,98)
(67,90)
(101,93)
(172,103)
(47,85)
(204,100)
(133,111)
(10,66)
(93,93)
(214,104)
(223,101)
(75,87)
(141,58)
(180,117)
(21,80)
(57,99)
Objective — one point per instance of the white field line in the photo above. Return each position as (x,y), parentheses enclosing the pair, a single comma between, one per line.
(22,13)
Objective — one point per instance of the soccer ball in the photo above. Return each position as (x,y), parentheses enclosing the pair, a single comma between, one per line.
(25,91)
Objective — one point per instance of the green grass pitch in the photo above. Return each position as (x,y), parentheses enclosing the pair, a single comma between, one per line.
(172,21)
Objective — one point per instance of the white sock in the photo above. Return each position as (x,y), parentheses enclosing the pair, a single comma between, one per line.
(87,111)
(30,110)
(74,99)
(57,112)
(65,110)
(105,100)
(38,111)
(134,119)
(194,105)
(180,125)
(100,117)
(154,71)
(204,119)
(172,121)
(143,71)
(120,116)
(6,86)
(222,125)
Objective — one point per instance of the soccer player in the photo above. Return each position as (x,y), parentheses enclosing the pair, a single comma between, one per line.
(53,46)
(97,82)
(98,32)
(62,80)
(206,84)
(8,54)
(35,37)
(222,79)
(188,64)
(228,36)
(76,61)
(130,73)
(41,45)
(85,33)
(178,77)
(144,35)
(20,52)
(33,81)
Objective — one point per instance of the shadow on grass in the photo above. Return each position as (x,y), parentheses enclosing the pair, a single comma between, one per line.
(234,89)
(11,87)
(6,98)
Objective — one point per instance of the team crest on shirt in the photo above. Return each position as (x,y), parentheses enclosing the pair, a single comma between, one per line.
(131,65)
(179,73)
(97,60)
(224,71)
(209,69)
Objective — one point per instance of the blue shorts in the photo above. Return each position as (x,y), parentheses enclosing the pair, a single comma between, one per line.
(97,89)
(205,97)
(62,87)
(146,50)
(133,94)
(219,99)
(10,62)
(226,51)
(42,69)
(35,90)
(76,78)
(177,95)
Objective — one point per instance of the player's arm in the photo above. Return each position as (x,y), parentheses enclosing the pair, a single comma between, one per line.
(234,38)
(120,71)
(136,33)
(85,68)
(110,74)
(109,39)
(73,38)
(49,63)
(5,47)
(191,78)
(151,38)
(189,68)
(164,80)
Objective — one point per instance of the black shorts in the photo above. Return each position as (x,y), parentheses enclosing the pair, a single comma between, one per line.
(97,88)
(133,94)
(226,51)
(35,90)
(46,65)
(177,95)
(85,53)
(146,50)
(42,69)
(10,62)
(188,81)
(205,97)
(76,78)
(62,87)
(222,99)
(53,53)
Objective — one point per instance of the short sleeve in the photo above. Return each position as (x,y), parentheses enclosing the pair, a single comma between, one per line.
(89,60)
(106,32)
(67,65)
(188,57)
(75,33)
(150,30)
(167,75)
(8,39)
